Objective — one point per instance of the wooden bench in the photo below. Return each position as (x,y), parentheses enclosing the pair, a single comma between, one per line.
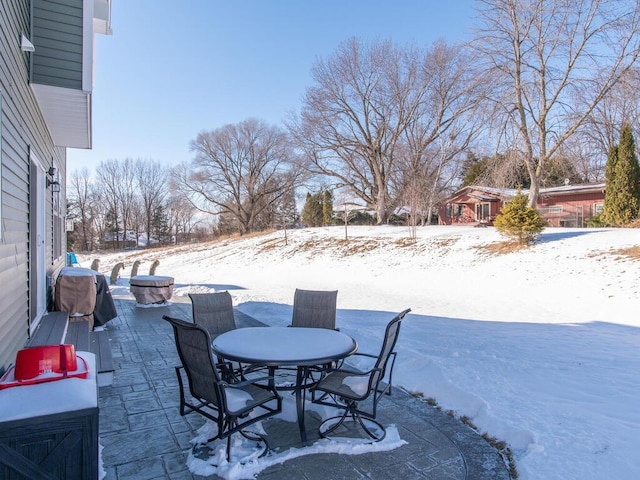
(55,328)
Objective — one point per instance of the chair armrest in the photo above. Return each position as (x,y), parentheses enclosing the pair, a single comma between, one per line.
(244,383)
(363,355)
(356,373)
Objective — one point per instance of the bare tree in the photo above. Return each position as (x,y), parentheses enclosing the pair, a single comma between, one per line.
(378,107)
(181,215)
(138,219)
(99,208)
(602,128)
(352,119)
(239,170)
(128,196)
(151,182)
(447,121)
(81,200)
(551,63)
(109,176)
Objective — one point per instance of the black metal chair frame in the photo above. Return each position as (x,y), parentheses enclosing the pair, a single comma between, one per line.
(208,387)
(334,393)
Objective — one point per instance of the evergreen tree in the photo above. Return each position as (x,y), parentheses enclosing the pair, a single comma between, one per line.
(312,210)
(111,228)
(622,172)
(327,208)
(609,178)
(160,224)
(476,172)
(518,221)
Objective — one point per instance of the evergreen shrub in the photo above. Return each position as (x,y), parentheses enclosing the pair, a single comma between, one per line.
(518,221)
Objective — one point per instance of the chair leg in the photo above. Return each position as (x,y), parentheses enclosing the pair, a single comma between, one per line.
(253,436)
(370,432)
(356,418)
(393,362)
(326,433)
(259,438)
(181,386)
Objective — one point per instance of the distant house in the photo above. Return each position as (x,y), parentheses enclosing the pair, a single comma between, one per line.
(565,206)
(46,53)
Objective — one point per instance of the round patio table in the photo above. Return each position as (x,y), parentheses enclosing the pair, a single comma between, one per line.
(286,346)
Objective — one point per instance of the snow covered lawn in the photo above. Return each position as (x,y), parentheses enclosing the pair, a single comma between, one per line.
(539,347)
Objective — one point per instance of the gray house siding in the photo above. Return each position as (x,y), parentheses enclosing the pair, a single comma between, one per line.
(57,32)
(23,133)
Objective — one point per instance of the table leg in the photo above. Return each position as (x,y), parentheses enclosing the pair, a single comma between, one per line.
(300,377)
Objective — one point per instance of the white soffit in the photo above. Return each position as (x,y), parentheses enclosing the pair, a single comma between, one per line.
(67,113)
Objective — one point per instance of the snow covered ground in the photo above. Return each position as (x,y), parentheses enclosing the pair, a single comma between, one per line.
(539,347)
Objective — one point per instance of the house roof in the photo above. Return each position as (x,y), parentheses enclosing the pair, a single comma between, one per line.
(489,194)
(478,192)
(568,189)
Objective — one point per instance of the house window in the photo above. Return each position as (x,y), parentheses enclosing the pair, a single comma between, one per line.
(555,209)
(459,208)
(483,211)
(597,208)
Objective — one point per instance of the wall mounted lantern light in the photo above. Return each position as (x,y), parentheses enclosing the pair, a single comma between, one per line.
(53,181)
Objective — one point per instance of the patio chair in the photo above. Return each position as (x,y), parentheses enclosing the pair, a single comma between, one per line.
(347,388)
(213,311)
(311,309)
(230,405)
(314,308)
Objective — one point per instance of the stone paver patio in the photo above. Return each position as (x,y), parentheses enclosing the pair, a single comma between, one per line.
(144,437)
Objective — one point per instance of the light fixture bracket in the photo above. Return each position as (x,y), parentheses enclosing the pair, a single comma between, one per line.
(25,44)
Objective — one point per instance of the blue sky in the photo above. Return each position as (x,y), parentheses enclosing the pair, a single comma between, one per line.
(172,68)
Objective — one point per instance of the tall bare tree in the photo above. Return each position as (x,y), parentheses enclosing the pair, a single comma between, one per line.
(181,216)
(151,183)
(239,170)
(375,105)
(127,188)
(603,127)
(448,120)
(109,177)
(551,63)
(352,119)
(81,200)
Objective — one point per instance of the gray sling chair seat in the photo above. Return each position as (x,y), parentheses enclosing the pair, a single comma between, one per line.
(230,405)
(348,388)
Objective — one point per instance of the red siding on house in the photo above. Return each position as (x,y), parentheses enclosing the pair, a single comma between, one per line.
(568,206)
(469,206)
(570,210)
